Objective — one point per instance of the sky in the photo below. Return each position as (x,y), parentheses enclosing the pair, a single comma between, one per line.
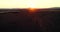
(29,3)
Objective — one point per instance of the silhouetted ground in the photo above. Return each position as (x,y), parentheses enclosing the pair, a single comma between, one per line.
(40,21)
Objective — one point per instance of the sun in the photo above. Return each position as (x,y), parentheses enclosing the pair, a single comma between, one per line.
(31,5)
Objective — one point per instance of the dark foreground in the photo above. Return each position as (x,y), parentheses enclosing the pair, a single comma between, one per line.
(42,21)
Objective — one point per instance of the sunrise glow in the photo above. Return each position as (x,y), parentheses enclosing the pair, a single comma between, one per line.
(31,9)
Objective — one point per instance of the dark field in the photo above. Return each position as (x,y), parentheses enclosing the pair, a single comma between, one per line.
(23,21)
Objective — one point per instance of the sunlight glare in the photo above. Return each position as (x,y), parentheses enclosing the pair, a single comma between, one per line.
(29,3)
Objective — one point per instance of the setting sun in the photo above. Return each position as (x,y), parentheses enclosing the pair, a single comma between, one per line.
(29,3)
(31,9)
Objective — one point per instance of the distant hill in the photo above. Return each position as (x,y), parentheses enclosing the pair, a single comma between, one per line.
(19,10)
(55,8)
